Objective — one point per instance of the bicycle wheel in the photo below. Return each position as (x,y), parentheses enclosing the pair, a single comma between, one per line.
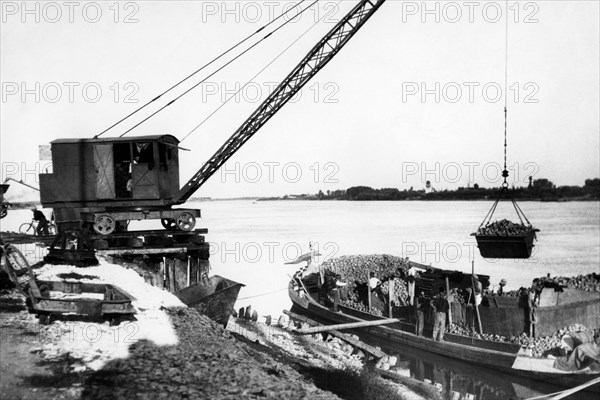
(27,228)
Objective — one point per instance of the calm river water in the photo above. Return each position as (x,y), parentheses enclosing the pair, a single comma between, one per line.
(251,242)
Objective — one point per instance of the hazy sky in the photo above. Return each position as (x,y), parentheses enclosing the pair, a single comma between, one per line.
(416,95)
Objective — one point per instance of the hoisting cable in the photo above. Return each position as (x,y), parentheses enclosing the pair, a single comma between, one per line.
(504,189)
(505,172)
(520,212)
(198,70)
(218,70)
(490,213)
(263,294)
(254,77)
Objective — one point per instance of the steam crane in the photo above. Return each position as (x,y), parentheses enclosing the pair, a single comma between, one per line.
(102,183)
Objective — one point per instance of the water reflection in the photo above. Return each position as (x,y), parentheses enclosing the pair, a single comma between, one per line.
(458,380)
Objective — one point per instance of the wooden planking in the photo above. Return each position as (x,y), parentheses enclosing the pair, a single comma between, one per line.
(349,325)
(129,234)
(128,251)
(105,171)
(355,342)
(176,274)
(548,318)
(194,270)
(180,274)
(73,177)
(144,181)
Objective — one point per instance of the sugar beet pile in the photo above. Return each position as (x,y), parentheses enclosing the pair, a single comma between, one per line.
(355,269)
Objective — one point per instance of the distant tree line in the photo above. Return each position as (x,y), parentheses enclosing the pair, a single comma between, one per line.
(538,189)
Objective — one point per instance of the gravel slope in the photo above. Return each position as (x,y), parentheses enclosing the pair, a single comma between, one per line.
(207,363)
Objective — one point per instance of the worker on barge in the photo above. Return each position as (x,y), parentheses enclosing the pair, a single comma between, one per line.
(500,290)
(440,309)
(478,295)
(420,312)
(375,287)
(411,279)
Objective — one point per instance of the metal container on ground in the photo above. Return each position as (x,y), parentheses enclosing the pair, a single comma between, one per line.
(214,297)
(78,298)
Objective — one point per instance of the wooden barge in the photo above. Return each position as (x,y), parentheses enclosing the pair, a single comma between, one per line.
(506,357)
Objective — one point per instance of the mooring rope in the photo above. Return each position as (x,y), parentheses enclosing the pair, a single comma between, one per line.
(263,294)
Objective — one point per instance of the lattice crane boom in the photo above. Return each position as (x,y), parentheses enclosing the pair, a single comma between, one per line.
(312,63)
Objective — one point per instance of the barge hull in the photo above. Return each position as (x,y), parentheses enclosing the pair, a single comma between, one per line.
(509,360)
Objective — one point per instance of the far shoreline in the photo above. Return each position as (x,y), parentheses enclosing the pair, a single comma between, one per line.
(424,199)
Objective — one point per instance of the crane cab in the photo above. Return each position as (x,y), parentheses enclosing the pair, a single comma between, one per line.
(114,179)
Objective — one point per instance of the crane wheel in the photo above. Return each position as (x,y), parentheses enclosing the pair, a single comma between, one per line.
(169,224)
(105,224)
(185,221)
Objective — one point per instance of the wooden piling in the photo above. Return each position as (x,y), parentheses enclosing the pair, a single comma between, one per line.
(188,271)
(336,299)
(369,287)
(169,268)
(169,274)
(194,270)
(474,294)
(448,300)
(391,296)
(152,272)
(180,278)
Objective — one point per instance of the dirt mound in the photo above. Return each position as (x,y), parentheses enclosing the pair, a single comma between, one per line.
(206,363)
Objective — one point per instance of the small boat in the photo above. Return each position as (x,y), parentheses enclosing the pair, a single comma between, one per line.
(214,297)
(506,357)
